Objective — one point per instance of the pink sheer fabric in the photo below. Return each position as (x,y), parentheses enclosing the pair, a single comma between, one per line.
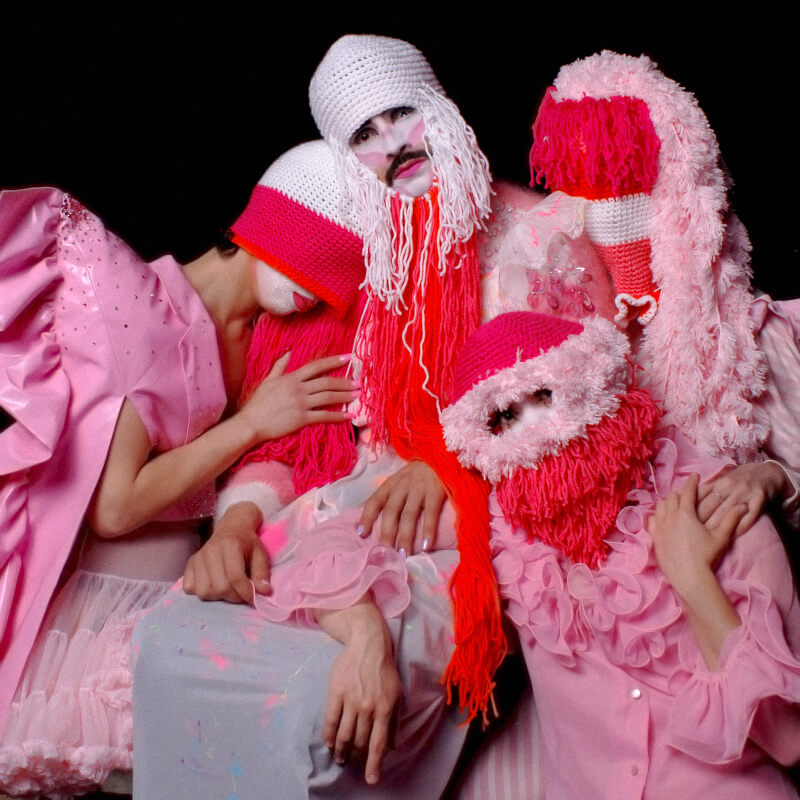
(618,676)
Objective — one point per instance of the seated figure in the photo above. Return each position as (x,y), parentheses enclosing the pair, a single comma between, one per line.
(662,651)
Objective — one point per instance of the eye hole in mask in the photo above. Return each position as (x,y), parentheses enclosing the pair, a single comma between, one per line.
(528,409)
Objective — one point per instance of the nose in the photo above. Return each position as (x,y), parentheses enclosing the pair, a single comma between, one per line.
(392,139)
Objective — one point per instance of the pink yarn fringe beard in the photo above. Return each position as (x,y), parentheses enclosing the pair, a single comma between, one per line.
(319,453)
(608,145)
(572,499)
(408,359)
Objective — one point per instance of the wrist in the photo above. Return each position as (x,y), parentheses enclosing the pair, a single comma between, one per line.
(242,515)
(778,483)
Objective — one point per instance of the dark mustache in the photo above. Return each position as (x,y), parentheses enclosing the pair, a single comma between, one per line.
(400,160)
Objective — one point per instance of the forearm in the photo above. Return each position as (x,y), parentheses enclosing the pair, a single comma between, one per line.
(361,621)
(126,499)
(710,615)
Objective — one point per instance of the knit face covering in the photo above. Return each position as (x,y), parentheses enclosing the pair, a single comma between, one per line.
(636,144)
(563,472)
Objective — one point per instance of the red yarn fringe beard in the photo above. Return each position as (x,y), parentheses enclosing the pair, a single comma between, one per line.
(320,453)
(408,362)
(571,500)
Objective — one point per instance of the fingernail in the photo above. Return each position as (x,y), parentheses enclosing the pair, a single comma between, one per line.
(339,760)
(361,531)
(426,544)
(345,357)
(350,415)
(402,552)
(372,778)
(263,587)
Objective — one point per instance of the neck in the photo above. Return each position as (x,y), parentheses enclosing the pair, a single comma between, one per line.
(224,285)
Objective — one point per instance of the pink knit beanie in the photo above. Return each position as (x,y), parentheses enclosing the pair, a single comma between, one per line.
(294,223)
(512,337)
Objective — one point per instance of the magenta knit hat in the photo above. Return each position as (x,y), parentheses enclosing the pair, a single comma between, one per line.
(501,342)
(293,222)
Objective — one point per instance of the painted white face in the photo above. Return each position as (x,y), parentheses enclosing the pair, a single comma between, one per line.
(278,294)
(392,145)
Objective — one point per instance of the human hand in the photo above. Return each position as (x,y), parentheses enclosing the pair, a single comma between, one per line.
(686,549)
(233,556)
(412,494)
(364,692)
(285,402)
(748,486)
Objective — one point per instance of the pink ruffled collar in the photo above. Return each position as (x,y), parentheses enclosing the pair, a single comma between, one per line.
(625,606)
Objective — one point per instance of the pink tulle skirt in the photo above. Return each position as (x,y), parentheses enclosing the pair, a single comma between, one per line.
(70,723)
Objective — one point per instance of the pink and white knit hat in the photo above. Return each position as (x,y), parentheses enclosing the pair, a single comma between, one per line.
(294,223)
(583,364)
(364,75)
(647,147)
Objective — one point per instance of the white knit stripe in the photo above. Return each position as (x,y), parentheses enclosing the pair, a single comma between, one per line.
(618,220)
(307,175)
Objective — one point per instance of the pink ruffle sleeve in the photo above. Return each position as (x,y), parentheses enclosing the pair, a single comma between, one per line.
(713,714)
(330,567)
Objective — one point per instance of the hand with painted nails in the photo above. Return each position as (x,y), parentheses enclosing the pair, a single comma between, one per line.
(232,561)
(409,504)
(364,691)
(285,402)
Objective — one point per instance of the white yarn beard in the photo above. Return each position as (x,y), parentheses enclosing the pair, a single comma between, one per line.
(464,183)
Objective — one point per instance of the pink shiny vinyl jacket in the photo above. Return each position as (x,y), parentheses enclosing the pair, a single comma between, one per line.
(84,324)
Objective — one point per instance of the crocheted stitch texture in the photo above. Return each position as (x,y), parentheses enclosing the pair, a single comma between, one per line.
(362,76)
(294,224)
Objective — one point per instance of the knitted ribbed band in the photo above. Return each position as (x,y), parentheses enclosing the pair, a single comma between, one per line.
(508,338)
(362,76)
(293,222)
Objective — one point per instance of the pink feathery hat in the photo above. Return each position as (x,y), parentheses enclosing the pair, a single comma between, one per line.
(636,145)
(562,474)
(294,223)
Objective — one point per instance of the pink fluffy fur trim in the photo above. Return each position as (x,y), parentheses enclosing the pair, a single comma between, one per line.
(700,261)
(585,374)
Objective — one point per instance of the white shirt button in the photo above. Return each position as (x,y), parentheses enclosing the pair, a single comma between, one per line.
(636,693)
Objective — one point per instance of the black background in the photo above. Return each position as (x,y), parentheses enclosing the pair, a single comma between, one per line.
(162,122)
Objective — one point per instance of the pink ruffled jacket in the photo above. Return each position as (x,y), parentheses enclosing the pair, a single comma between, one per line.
(84,324)
(611,650)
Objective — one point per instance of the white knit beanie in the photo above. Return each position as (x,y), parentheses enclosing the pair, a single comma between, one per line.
(362,76)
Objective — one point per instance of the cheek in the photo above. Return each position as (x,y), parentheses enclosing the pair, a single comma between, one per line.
(275,292)
(371,156)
